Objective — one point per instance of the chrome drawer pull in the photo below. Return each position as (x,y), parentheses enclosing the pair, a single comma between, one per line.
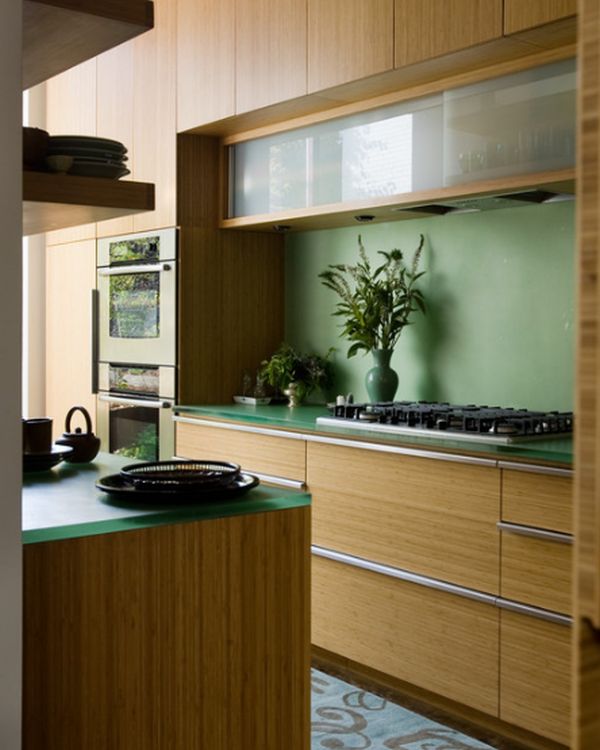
(537,612)
(535,533)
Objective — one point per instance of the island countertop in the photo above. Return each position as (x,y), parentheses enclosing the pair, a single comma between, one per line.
(302,419)
(64,503)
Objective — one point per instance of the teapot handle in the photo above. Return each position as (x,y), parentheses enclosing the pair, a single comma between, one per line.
(83,410)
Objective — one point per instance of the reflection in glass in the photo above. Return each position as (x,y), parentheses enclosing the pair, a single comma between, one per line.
(133,431)
(134,306)
(142,380)
(142,250)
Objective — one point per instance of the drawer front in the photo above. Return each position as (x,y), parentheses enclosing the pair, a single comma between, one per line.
(535,675)
(436,518)
(537,500)
(266,454)
(437,641)
(536,572)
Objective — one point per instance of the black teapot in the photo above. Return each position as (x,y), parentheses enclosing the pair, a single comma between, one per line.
(85,444)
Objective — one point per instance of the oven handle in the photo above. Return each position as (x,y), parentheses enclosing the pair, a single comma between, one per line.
(147,268)
(136,402)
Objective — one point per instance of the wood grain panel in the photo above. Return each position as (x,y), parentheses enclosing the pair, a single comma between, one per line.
(277,456)
(115,118)
(184,636)
(155,115)
(205,62)
(537,572)
(431,517)
(537,500)
(347,40)
(270,52)
(519,15)
(70,278)
(71,110)
(431,639)
(429,28)
(535,663)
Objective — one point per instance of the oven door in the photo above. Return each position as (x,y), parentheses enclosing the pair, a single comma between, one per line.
(136,428)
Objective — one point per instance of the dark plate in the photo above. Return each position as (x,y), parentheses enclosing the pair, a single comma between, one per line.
(118,486)
(94,169)
(45,461)
(87,141)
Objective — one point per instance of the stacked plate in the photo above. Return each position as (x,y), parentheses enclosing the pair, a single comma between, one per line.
(87,156)
(196,481)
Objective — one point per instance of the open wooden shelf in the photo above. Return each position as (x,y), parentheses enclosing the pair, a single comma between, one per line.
(58,34)
(56,201)
(415,205)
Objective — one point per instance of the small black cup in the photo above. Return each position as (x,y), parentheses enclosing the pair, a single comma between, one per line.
(37,435)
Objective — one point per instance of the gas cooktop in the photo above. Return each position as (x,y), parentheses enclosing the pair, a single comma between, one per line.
(490,424)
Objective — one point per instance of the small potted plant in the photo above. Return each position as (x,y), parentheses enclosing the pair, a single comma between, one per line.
(296,375)
(375,306)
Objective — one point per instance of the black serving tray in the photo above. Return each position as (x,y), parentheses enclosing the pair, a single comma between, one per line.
(119,486)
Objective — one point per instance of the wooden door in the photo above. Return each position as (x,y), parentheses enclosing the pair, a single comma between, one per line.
(586,642)
(71,110)
(430,28)
(270,52)
(70,277)
(347,40)
(205,62)
(520,15)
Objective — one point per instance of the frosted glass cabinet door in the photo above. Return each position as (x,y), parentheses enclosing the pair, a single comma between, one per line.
(515,124)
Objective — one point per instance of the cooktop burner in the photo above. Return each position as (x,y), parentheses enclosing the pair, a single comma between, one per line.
(468,422)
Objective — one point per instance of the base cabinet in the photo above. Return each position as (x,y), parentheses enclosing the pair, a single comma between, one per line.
(535,675)
(437,641)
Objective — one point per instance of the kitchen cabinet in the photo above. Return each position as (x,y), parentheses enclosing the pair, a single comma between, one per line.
(270,52)
(535,675)
(519,16)
(205,62)
(538,499)
(348,40)
(70,277)
(425,29)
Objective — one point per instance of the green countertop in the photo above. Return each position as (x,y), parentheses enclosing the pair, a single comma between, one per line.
(64,503)
(303,419)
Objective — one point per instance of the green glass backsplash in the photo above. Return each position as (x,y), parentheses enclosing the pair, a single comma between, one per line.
(500,293)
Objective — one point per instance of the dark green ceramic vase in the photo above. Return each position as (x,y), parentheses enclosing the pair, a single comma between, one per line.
(381,380)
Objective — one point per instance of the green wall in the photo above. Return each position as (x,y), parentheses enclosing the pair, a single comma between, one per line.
(500,292)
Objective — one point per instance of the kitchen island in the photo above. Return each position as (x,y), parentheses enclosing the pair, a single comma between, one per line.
(162,626)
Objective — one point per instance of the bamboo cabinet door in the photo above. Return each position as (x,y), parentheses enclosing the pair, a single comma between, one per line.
(520,15)
(586,642)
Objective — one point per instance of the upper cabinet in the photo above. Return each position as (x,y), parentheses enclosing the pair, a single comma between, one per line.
(519,15)
(429,28)
(270,52)
(205,62)
(348,39)
(59,35)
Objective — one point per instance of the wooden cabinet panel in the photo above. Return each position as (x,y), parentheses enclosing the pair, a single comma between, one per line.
(115,118)
(536,571)
(277,456)
(71,110)
(436,518)
(429,28)
(70,277)
(347,40)
(535,675)
(155,116)
(519,15)
(270,52)
(437,641)
(205,62)
(537,500)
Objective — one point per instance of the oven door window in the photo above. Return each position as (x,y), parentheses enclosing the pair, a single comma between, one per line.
(134,431)
(135,306)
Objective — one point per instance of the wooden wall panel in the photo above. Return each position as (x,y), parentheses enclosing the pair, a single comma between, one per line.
(520,15)
(429,28)
(348,40)
(191,635)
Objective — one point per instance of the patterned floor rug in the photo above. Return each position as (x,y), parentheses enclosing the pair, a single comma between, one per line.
(344,717)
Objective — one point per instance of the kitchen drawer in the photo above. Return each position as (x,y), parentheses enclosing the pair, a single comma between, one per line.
(265,454)
(535,675)
(536,571)
(540,500)
(434,640)
(433,517)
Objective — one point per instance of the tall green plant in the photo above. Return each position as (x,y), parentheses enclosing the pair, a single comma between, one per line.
(376,304)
